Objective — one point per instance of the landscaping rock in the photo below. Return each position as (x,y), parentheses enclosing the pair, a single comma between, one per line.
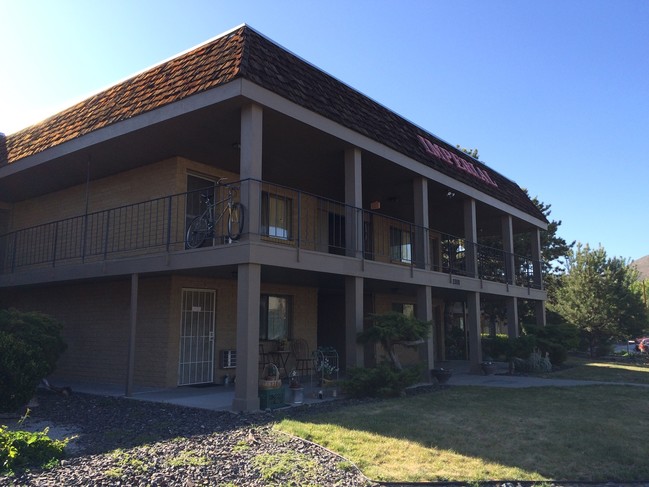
(129,442)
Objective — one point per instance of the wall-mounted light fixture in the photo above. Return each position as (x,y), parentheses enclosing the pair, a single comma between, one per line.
(375,205)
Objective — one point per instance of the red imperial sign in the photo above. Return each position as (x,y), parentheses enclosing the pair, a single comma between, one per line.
(457,162)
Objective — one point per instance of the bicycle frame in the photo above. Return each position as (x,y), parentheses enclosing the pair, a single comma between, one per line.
(209,213)
(203,226)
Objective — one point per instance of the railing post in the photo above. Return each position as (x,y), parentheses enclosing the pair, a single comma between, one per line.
(55,243)
(85,236)
(298,240)
(169,199)
(413,239)
(13,253)
(106,234)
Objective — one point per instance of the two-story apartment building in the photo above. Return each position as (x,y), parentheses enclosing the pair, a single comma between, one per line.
(343,208)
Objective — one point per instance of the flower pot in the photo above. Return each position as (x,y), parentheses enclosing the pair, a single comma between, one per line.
(488,368)
(297,395)
(442,375)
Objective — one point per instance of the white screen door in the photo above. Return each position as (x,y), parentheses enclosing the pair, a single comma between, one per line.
(196,364)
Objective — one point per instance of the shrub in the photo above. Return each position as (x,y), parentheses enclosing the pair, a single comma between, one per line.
(381,381)
(20,450)
(536,362)
(555,340)
(393,328)
(496,347)
(30,345)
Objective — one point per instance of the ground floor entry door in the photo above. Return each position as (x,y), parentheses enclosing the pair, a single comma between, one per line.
(196,363)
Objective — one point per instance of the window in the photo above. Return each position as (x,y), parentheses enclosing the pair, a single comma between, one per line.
(400,245)
(406,309)
(275,317)
(276,212)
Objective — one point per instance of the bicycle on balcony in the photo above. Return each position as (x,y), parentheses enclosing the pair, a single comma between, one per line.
(203,226)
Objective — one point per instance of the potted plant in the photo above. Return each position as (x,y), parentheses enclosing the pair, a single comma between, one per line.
(327,371)
(488,367)
(294,385)
(442,375)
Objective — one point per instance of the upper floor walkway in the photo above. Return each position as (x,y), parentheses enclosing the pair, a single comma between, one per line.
(273,216)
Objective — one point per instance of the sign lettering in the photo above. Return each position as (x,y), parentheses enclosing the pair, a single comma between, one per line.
(456,161)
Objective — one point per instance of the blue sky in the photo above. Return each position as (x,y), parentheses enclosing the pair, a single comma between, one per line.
(553,93)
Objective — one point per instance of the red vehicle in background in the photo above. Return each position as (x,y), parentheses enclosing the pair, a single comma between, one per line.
(642,345)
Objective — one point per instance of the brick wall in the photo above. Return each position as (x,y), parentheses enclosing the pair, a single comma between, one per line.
(96,319)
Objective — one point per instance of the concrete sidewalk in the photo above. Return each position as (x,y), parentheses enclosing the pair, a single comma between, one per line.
(220,397)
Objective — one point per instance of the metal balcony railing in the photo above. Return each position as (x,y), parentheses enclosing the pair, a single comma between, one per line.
(286,216)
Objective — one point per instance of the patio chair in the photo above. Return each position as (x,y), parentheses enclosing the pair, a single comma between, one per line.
(303,357)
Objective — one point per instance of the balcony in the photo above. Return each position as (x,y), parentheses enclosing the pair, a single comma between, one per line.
(285,216)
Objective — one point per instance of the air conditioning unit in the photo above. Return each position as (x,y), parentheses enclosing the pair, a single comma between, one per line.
(228,359)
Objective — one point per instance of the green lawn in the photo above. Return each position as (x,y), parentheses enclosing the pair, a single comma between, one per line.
(472,434)
(587,369)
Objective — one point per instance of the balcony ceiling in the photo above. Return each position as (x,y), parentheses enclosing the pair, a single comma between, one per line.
(294,155)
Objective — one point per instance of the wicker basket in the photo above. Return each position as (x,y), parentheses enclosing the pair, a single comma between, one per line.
(270,378)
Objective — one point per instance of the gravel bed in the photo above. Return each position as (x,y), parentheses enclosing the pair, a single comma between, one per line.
(136,443)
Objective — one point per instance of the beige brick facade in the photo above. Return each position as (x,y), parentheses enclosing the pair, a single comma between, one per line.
(97,323)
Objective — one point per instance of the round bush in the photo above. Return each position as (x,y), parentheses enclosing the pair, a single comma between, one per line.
(30,345)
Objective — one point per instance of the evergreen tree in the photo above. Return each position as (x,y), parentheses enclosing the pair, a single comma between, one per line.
(598,296)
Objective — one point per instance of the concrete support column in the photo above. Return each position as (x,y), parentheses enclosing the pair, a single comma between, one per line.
(540,313)
(353,200)
(353,321)
(250,167)
(421,243)
(425,313)
(248,295)
(537,257)
(473,326)
(471,237)
(512,318)
(508,246)
(130,367)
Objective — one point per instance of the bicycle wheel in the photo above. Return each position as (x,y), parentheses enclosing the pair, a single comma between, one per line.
(197,232)
(235,221)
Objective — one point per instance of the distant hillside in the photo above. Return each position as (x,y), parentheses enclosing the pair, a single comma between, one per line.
(642,265)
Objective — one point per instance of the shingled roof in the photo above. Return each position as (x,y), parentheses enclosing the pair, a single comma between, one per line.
(244,53)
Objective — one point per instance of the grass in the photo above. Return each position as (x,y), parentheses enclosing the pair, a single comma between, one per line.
(287,469)
(474,434)
(588,369)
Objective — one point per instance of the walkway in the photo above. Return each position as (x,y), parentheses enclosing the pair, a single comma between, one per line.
(220,397)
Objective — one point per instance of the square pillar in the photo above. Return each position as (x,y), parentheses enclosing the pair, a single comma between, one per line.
(512,318)
(540,313)
(248,297)
(508,247)
(130,366)
(537,257)
(425,313)
(353,202)
(470,237)
(474,329)
(354,352)
(250,167)
(421,243)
